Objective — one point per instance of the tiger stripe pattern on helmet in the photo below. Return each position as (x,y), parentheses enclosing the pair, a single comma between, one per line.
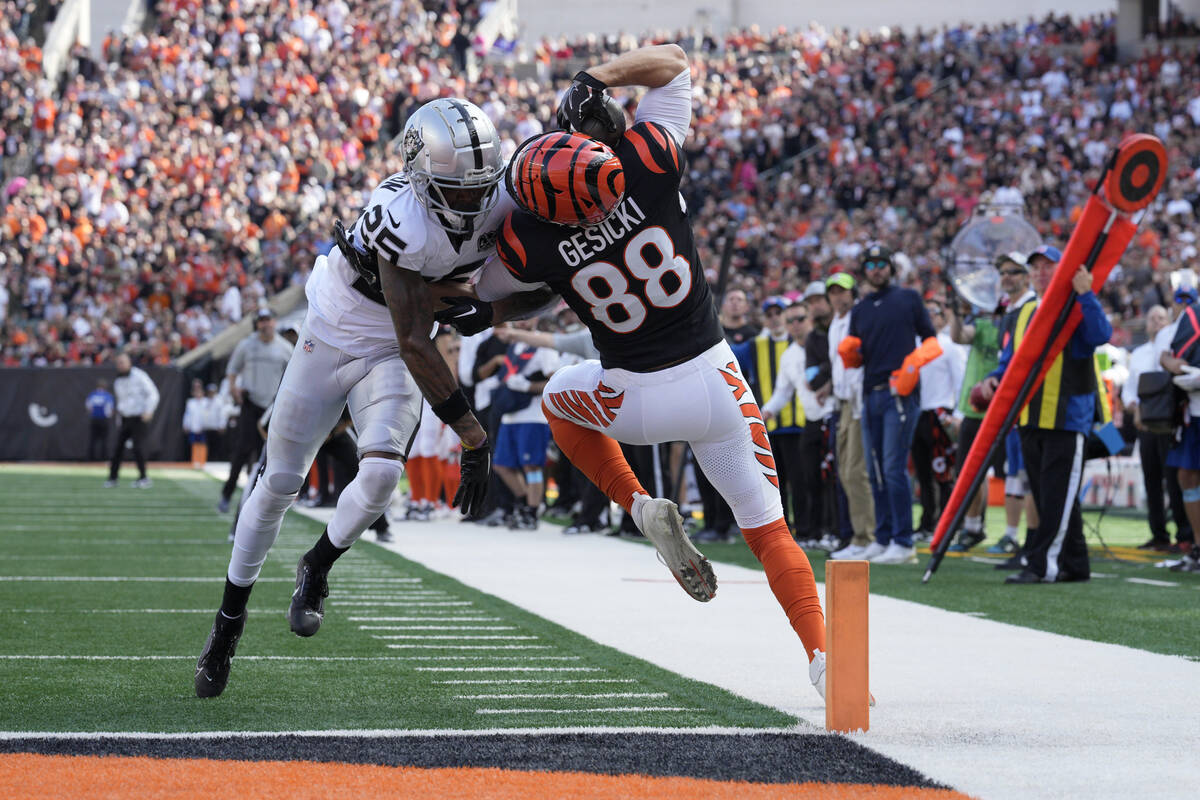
(567,179)
(758,429)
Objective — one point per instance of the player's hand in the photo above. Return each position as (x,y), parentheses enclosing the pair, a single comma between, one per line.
(468,315)
(583,99)
(474,469)
(1081,281)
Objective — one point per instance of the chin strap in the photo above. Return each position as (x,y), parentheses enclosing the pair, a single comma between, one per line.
(904,380)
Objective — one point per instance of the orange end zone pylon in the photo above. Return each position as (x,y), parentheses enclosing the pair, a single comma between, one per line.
(847,693)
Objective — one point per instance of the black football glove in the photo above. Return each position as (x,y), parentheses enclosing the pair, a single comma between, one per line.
(468,315)
(474,470)
(586,107)
(365,264)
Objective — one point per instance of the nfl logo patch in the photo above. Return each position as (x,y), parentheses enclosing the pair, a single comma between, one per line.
(308,345)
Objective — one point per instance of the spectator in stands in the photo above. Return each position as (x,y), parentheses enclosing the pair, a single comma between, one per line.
(100,406)
(137,398)
(735,318)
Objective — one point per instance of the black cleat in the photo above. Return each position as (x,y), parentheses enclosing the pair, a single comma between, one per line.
(212,670)
(308,600)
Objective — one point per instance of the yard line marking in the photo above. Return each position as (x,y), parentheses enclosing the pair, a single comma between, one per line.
(389,604)
(134,542)
(470,646)
(437,627)
(453,637)
(1151,582)
(537,680)
(543,695)
(115,611)
(508,669)
(117,579)
(402,733)
(427,618)
(611,710)
(392,595)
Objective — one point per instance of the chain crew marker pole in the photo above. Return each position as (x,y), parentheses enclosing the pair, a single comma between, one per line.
(847,692)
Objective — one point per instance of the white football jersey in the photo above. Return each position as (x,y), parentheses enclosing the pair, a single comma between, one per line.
(400,230)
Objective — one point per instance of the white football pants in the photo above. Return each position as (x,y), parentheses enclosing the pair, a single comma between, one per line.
(704,402)
(319,382)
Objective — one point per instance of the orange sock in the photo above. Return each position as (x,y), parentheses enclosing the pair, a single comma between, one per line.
(423,480)
(450,479)
(598,457)
(790,577)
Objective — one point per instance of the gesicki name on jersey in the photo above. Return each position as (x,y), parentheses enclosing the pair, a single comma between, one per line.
(592,241)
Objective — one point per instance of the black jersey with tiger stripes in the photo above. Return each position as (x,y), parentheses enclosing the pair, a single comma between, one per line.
(635,279)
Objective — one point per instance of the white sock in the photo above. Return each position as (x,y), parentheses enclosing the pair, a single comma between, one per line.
(973,524)
(1011,532)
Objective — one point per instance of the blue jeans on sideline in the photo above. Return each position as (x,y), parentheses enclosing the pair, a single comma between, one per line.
(888,425)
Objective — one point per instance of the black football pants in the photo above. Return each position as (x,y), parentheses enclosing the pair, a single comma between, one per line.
(1054,463)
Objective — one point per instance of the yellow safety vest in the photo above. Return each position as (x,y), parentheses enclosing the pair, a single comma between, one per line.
(1067,377)
(767,356)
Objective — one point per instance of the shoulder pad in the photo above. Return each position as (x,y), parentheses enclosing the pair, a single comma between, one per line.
(654,147)
(393,225)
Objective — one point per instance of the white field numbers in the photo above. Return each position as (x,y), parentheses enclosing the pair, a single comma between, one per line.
(619,295)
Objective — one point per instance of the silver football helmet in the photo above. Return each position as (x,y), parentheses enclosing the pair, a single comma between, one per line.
(452,158)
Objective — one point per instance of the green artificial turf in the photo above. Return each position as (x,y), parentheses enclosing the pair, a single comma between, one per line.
(59,523)
(1109,608)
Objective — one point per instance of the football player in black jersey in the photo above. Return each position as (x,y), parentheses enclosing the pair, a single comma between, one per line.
(606,228)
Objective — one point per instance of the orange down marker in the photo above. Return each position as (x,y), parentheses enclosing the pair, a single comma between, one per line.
(847,692)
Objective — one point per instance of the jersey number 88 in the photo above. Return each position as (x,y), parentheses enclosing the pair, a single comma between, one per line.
(618,286)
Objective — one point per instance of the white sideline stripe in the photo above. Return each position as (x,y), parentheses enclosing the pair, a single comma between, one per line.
(508,669)
(610,710)
(384,604)
(437,627)
(115,611)
(470,647)
(395,596)
(239,658)
(454,637)
(118,579)
(1151,582)
(537,680)
(542,695)
(400,733)
(428,618)
(136,542)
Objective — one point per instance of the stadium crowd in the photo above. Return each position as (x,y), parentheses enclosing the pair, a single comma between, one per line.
(155,195)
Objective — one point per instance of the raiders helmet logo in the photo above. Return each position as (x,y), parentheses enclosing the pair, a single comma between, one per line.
(488,240)
(412,144)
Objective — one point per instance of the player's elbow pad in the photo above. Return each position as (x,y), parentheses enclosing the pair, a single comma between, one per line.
(850,350)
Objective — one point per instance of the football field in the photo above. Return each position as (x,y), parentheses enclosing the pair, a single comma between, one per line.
(475,662)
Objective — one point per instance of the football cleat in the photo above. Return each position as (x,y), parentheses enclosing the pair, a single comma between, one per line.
(966,540)
(308,600)
(816,672)
(212,669)
(659,521)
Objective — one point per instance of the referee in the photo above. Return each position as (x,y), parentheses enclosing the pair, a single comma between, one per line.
(137,397)
(254,371)
(884,330)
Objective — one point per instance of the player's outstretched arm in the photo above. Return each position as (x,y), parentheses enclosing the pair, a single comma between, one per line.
(652,67)
(410,304)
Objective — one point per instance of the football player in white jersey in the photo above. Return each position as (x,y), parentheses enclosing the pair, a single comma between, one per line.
(366,342)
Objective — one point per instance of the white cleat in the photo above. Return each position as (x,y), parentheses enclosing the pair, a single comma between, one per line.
(872,550)
(896,554)
(816,672)
(659,521)
(851,552)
